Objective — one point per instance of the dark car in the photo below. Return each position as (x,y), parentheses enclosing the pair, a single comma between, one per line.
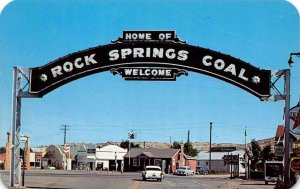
(200,170)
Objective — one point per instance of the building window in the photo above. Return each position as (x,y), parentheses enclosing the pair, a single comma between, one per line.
(157,162)
(134,162)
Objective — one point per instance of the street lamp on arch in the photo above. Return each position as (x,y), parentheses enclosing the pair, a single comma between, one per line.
(291,62)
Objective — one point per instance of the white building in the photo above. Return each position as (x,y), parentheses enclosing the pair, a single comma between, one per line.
(53,157)
(217,161)
(109,157)
(91,158)
(59,157)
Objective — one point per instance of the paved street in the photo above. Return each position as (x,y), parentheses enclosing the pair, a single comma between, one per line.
(55,179)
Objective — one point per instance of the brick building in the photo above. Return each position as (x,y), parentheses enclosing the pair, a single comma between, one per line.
(168,159)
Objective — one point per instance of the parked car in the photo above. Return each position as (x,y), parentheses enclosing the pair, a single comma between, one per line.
(201,170)
(49,167)
(184,170)
(152,172)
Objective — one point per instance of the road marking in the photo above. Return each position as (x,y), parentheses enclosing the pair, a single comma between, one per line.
(199,183)
(134,185)
(170,183)
(49,183)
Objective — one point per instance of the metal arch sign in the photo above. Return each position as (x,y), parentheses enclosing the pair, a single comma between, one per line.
(149,55)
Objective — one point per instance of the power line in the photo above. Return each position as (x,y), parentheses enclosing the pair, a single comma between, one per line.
(210,129)
(170,125)
(100,128)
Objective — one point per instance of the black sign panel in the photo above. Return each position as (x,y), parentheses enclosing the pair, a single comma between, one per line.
(231,159)
(145,55)
(91,151)
(223,149)
(149,36)
(149,73)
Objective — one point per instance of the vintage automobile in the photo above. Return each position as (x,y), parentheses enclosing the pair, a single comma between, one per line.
(200,170)
(184,170)
(152,172)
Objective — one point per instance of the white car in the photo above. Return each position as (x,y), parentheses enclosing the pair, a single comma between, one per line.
(152,172)
(184,170)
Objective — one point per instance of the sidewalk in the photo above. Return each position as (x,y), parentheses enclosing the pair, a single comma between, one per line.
(238,183)
(214,176)
(253,184)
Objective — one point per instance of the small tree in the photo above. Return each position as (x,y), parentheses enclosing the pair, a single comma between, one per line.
(125,145)
(187,148)
(190,150)
(266,153)
(2,150)
(256,152)
(176,145)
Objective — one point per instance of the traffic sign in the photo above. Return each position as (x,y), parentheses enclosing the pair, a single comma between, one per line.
(231,159)
(131,135)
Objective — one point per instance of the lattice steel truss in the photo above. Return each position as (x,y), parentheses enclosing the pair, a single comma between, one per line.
(283,95)
(20,90)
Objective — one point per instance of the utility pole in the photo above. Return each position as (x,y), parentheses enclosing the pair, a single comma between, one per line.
(210,128)
(188,142)
(65,132)
(246,156)
(129,148)
(26,153)
(131,135)
(65,167)
(246,138)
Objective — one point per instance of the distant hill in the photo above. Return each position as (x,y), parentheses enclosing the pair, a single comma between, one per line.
(201,146)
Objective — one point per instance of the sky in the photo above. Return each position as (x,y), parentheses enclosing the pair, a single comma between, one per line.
(102,107)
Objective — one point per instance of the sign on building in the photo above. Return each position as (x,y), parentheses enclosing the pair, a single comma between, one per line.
(295,121)
(279,150)
(91,151)
(295,164)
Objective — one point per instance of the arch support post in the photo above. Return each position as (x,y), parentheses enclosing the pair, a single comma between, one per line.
(287,142)
(20,89)
(15,166)
(283,93)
